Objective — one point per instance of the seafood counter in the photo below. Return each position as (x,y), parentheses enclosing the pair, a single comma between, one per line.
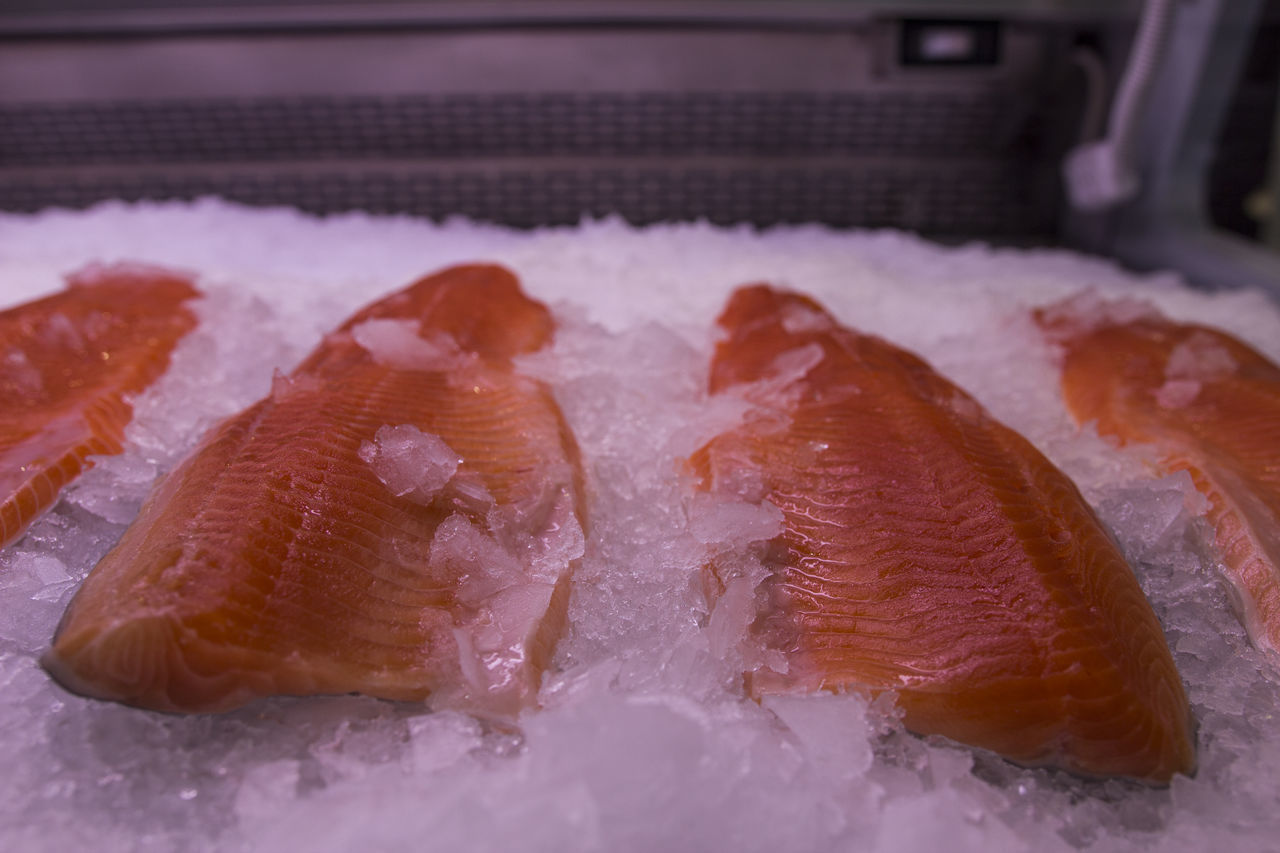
(361,531)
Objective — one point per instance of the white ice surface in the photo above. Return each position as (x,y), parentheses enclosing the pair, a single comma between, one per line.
(644,740)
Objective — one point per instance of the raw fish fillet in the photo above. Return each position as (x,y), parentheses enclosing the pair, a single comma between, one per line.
(1210,405)
(928,549)
(69,364)
(397,518)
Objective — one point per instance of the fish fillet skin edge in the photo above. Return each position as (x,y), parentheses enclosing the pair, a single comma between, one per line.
(1209,405)
(931,551)
(288,554)
(70,364)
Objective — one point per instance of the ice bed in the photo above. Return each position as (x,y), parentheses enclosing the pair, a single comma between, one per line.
(632,164)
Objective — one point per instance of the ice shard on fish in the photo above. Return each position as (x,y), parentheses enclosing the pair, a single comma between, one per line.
(1209,404)
(69,365)
(929,550)
(398,518)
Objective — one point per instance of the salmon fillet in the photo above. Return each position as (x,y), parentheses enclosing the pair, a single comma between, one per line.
(1210,405)
(69,364)
(929,550)
(397,518)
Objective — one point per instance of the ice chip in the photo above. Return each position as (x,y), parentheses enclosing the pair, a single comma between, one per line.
(1176,393)
(715,520)
(944,820)
(794,365)
(517,607)
(266,788)
(409,462)
(1200,357)
(20,372)
(833,729)
(734,610)
(559,541)
(60,331)
(442,739)
(115,487)
(46,568)
(282,386)
(799,318)
(400,344)
(745,482)
(1090,309)
(460,549)
(1147,514)
(468,659)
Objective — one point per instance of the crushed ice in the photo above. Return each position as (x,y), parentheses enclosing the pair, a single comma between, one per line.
(644,740)
(409,462)
(400,344)
(1199,359)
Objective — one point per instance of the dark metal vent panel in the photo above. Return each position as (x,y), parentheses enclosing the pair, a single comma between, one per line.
(922,123)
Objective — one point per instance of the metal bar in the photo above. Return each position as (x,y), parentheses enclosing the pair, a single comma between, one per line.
(71,18)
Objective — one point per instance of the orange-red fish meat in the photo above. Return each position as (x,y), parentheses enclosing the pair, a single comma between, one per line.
(929,550)
(1210,405)
(69,364)
(398,518)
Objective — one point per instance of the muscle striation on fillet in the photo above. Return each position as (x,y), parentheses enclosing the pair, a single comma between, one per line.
(1210,405)
(929,550)
(277,560)
(69,365)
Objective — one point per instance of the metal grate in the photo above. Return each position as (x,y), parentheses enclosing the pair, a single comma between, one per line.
(930,160)
(925,123)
